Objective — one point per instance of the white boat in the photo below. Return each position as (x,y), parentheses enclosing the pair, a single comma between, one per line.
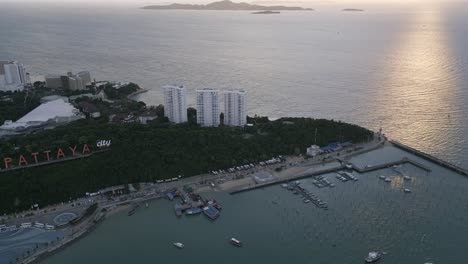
(407,190)
(236,242)
(284,185)
(388,179)
(373,256)
(406,177)
(178,245)
(382,177)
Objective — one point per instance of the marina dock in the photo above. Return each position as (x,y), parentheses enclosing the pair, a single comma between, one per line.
(430,158)
(331,170)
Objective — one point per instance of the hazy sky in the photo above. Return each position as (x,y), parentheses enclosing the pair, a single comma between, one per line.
(308,3)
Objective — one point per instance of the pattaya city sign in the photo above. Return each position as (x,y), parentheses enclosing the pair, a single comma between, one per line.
(51,155)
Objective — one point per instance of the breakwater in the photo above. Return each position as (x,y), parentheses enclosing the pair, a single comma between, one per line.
(430,158)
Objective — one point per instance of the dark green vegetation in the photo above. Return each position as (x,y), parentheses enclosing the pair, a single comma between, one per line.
(121,92)
(156,151)
(14,105)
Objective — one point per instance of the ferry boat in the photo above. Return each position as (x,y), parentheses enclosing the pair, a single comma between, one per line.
(193,211)
(236,242)
(179,245)
(178,209)
(373,257)
(211,212)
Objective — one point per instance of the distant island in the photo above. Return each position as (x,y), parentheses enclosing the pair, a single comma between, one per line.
(267,12)
(224,5)
(353,10)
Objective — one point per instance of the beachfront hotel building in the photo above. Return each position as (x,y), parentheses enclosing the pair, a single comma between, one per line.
(208,107)
(13,75)
(234,108)
(175,103)
(70,81)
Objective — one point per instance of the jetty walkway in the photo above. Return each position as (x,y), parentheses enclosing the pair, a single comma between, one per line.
(431,158)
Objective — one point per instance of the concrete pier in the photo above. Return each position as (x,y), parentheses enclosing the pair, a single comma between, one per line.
(334,169)
(430,158)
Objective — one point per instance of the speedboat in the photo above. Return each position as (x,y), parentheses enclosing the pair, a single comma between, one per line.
(373,256)
(407,190)
(382,177)
(406,177)
(388,179)
(284,185)
(179,245)
(236,242)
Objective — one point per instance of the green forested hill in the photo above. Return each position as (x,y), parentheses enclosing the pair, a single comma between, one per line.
(151,152)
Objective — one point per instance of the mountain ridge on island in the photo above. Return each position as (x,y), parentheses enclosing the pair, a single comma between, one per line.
(225,5)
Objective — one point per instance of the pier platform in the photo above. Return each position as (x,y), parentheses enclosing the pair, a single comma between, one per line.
(430,158)
(331,170)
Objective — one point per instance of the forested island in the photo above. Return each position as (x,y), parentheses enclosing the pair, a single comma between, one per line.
(158,150)
(223,5)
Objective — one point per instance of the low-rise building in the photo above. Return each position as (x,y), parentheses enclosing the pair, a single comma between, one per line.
(147,116)
(70,81)
(313,151)
(48,114)
(90,109)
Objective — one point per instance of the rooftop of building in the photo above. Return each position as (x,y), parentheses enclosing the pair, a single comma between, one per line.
(44,113)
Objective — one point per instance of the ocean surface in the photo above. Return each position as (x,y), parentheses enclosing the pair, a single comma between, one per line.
(402,70)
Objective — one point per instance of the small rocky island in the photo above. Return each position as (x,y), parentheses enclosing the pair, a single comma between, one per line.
(353,10)
(266,12)
(225,5)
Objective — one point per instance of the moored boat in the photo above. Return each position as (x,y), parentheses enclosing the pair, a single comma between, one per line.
(373,256)
(211,212)
(236,242)
(193,211)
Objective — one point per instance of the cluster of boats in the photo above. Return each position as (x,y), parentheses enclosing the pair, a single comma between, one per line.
(211,209)
(321,182)
(388,179)
(345,176)
(308,197)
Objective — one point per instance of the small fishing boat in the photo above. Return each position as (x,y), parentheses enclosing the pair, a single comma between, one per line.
(373,256)
(179,245)
(236,242)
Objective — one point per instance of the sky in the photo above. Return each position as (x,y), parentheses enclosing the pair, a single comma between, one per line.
(303,3)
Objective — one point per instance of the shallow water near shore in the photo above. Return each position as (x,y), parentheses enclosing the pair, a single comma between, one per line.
(275,226)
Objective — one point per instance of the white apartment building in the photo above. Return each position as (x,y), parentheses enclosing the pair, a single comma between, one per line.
(235,108)
(14,75)
(175,103)
(208,107)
